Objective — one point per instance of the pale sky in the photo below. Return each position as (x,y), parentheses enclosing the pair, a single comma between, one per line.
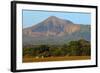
(31,17)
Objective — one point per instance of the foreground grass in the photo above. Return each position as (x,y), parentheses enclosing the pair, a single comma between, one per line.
(64,58)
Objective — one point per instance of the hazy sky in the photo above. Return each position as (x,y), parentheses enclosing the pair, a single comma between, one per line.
(33,17)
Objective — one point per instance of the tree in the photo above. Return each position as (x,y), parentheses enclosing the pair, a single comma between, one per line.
(86,47)
(78,48)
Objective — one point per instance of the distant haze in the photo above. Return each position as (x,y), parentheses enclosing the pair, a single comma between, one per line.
(31,18)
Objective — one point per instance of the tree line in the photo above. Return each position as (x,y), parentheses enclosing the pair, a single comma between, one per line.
(73,48)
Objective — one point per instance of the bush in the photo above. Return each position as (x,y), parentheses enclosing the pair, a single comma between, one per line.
(73,48)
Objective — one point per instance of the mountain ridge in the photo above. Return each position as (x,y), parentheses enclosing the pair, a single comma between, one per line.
(54,30)
(52,26)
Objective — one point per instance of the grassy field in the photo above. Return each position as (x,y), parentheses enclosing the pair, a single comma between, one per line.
(65,58)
